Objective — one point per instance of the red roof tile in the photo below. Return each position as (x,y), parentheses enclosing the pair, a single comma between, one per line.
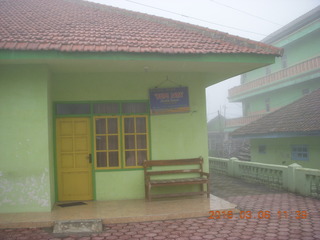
(300,117)
(69,25)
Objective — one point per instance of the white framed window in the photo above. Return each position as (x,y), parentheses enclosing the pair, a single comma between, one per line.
(300,152)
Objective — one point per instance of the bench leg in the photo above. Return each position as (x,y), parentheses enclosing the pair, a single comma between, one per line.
(208,189)
(146,191)
(149,190)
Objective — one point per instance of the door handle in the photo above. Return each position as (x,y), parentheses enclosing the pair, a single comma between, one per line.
(90,158)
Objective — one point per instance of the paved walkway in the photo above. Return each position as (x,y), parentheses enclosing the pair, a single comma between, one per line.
(264,214)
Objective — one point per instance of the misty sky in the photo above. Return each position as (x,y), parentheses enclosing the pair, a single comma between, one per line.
(253,19)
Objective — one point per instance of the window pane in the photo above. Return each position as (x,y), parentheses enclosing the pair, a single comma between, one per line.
(305,91)
(113,143)
(73,108)
(142,155)
(141,141)
(135,107)
(130,158)
(141,125)
(262,149)
(113,159)
(100,126)
(101,159)
(300,152)
(129,125)
(101,143)
(112,125)
(129,142)
(106,108)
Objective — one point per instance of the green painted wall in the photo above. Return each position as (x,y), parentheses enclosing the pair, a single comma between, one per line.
(172,136)
(25,139)
(280,97)
(302,48)
(278,151)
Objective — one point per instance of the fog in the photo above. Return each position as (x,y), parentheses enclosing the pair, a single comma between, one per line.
(253,19)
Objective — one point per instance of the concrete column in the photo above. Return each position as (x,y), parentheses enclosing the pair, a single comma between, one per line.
(231,166)
(292,178)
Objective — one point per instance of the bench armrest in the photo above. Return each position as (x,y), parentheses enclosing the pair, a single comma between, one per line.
(205,174)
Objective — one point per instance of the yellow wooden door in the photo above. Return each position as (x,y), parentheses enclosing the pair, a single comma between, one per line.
(74,167)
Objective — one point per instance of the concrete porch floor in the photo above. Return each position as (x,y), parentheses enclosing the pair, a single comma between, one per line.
(123,211)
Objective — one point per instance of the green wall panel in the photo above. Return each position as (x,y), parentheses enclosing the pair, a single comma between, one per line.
(25,154)
(119,185)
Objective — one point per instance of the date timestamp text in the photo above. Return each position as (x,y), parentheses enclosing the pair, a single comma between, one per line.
(258,215)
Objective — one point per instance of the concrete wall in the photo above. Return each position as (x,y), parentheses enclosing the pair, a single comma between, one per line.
(293,178)
(26,161)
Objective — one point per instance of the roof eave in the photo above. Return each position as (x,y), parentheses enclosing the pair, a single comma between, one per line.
(293,26)
(277,134)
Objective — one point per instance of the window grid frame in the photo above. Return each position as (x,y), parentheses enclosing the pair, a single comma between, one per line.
(118,134)
(135,134)
(295,152)
(121,148)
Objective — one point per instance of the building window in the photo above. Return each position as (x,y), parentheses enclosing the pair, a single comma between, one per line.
(284,61)
(107,142)
(268,70)
(133,136)
(134,107)
(106,108)
(73,108)
(120,131)
(305,91)
(246,109)
(267,101)
(243,78)
(135,140)
(299,152)
(262,149)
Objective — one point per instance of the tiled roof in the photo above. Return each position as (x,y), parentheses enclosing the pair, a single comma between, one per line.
(79,26)
(301,117)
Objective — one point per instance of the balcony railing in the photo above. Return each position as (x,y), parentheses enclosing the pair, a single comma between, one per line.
(294,178)
(237,122)
(300,68)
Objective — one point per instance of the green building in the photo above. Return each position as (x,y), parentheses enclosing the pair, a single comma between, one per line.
(295,74)
(75,112)
(288,135)
(275,90)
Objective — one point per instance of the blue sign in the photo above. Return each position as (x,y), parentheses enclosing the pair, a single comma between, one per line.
(169,100)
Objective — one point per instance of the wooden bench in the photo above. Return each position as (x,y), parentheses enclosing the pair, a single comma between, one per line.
(201,178)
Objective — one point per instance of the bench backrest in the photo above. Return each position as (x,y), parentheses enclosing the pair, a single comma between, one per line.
(175,162)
